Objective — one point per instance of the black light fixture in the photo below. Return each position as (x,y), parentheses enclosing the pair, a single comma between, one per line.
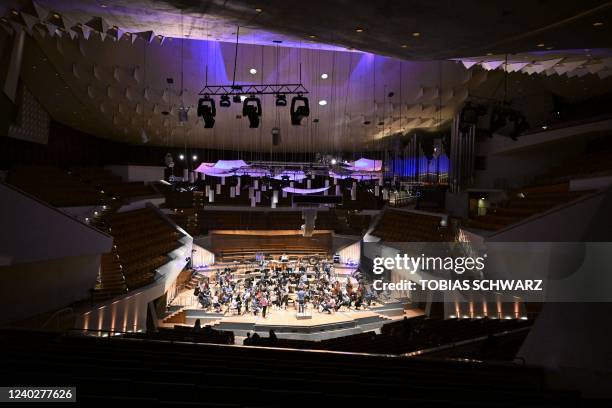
(507,122)
(469,115)
(236,99)
(299,112)
(207,110)
(251,108)
(281,100)
(225,101)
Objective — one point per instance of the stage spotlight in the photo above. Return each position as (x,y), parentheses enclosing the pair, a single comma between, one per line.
(299,112)
(194,157)
(207,110)
(251,108)
(334,161)
(237,99)
(181,157)
(225,101)
(281,100)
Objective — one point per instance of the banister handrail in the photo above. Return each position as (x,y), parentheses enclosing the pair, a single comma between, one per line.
(56,315)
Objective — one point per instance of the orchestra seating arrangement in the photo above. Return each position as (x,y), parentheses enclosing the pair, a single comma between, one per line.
(142,240)
(200,222)
(135,371)
(197,199)
(405,226)
(524,203)
(111,282)
(232,247)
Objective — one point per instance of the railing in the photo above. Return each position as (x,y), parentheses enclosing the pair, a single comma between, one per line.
(462,343)
(68,311)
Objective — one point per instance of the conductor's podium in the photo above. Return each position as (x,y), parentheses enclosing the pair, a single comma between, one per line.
(304,316)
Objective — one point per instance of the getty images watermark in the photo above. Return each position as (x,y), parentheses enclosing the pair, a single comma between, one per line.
(435,265)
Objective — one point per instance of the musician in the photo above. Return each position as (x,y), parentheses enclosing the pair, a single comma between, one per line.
(301,295)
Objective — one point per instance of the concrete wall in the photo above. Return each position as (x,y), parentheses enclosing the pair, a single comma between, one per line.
(30,289)
(568,223)
(32,231)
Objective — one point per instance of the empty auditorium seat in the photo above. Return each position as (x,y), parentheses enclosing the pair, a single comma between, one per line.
(404,226)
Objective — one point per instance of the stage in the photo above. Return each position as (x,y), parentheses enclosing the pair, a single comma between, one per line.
(314,326)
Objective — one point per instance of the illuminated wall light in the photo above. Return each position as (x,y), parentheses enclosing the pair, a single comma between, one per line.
(258,10)
(100,317)
(598,24)
(86,320)
(322,102)
(194,157)
(517,308)
(252,71)
(540,45)
(181,157)
(113,316)
(416,34)
(324,76)
(359,30)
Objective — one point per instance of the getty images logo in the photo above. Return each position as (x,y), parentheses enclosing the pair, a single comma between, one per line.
(412,264)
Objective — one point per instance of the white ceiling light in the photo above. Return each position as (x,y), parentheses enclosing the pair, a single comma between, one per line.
(181,157)
(324,76)
(252,71)
(195,157)
(322,102)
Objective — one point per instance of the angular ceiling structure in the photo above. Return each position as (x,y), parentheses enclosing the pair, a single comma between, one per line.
(125,69)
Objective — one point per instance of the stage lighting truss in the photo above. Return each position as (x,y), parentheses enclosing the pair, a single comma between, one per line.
(264,89)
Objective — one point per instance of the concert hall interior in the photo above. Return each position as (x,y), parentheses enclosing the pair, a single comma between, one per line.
(340,202)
